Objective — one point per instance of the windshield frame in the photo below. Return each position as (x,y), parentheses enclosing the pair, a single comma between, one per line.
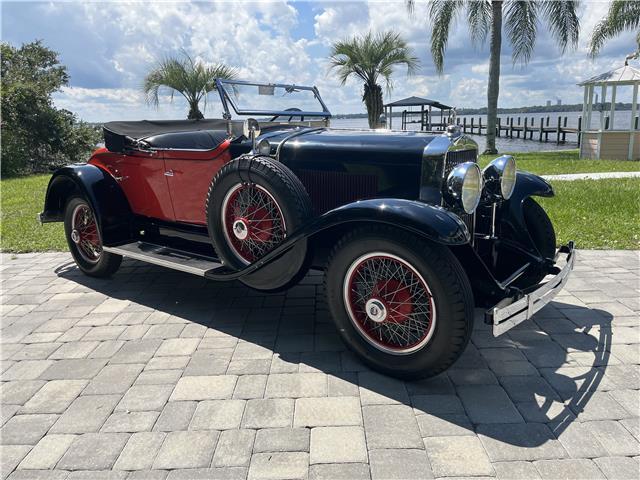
(227,100)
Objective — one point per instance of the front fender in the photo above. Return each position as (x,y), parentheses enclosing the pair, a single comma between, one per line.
(423,219)
(100,189)
(527,185)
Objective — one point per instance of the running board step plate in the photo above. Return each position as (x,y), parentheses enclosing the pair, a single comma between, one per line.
(166,257)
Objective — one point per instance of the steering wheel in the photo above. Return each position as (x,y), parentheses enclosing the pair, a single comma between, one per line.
(292,109)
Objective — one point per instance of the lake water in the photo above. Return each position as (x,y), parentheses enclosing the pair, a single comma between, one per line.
(621,120)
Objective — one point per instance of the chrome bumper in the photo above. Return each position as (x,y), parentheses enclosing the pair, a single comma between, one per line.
(509,312)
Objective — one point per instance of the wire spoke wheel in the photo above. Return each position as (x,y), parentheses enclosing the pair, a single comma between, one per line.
(253,222)
(85,234)
(389,303)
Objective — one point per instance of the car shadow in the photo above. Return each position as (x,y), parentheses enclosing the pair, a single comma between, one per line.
(297,327)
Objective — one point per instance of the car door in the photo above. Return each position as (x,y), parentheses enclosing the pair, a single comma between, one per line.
(142,178)
(190,173)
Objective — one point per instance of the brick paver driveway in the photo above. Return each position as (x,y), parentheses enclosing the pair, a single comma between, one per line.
(156,374)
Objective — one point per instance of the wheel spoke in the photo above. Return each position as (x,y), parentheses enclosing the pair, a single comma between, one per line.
(88,241)
(408,318)
(261,217)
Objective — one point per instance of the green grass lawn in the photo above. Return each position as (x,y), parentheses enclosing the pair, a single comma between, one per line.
(22,200)
(552,163)
(594,213)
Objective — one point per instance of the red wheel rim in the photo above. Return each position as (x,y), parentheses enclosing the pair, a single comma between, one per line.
(389,303)
(253,223)
(85,233)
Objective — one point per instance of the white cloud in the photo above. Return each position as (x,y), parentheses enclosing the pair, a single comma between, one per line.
(110,46)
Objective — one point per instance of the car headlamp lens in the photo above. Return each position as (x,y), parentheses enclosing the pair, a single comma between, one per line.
(264,147)
(465,186)
(500,176)
(508,183)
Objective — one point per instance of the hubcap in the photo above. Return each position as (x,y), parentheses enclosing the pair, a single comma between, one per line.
(85,234)
(389,303)
(252,221)
(376,311)
(240,229)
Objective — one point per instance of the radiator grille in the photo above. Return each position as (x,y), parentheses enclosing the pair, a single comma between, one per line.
(329,190)
(454,159)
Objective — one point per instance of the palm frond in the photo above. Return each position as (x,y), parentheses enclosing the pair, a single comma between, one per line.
(623,15)
(185,75)
(479,20)
(521,24)
(370,56)
(563,21)
(442,14)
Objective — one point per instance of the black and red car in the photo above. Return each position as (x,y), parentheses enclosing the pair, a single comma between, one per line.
(411,233)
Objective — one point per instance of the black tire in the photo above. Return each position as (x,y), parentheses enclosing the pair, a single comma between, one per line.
(543,235)
(99,264)
(275,182)
(449,294)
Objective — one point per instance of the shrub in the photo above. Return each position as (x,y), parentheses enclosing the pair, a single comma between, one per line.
(35,134)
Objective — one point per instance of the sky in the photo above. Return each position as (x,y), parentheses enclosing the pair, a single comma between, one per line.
(109,46)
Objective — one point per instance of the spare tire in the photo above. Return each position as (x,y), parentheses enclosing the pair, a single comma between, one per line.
(253,204)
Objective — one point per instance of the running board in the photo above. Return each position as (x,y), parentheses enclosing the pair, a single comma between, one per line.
(167,257)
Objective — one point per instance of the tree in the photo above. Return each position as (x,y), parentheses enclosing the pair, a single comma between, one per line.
(622,16)
(192,79)
(35,134)
(372,58)
(486,17)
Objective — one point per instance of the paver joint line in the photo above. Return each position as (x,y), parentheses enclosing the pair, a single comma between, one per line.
(160,375)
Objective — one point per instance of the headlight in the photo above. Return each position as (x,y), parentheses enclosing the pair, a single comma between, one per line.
(500,176)
(464,184)
(264,147)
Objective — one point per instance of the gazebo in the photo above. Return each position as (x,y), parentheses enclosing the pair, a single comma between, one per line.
(608,140)
(422,117)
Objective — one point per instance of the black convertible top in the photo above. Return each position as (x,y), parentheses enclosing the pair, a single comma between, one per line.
(205,133)
(145,128)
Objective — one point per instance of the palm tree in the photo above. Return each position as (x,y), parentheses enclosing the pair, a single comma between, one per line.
(485,17)
(372,58)
(623,15)
(192,79)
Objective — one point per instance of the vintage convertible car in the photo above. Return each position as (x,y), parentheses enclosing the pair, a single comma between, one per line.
(411,233)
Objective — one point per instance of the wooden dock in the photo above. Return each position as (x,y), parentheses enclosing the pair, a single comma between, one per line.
(544,130)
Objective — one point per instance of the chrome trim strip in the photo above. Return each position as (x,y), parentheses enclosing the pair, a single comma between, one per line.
(507,317)
(152,257)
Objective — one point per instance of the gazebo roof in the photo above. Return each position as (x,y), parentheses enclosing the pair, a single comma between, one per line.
(625,75)
(416,102)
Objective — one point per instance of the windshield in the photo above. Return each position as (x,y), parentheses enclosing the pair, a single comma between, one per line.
(248,98)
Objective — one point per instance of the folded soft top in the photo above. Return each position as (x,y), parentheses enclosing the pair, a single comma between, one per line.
(145,128)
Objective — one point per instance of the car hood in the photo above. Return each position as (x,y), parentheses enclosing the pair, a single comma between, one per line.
(355,146)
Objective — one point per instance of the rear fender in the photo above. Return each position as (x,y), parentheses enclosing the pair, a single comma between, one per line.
(527,185)
(103,193)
